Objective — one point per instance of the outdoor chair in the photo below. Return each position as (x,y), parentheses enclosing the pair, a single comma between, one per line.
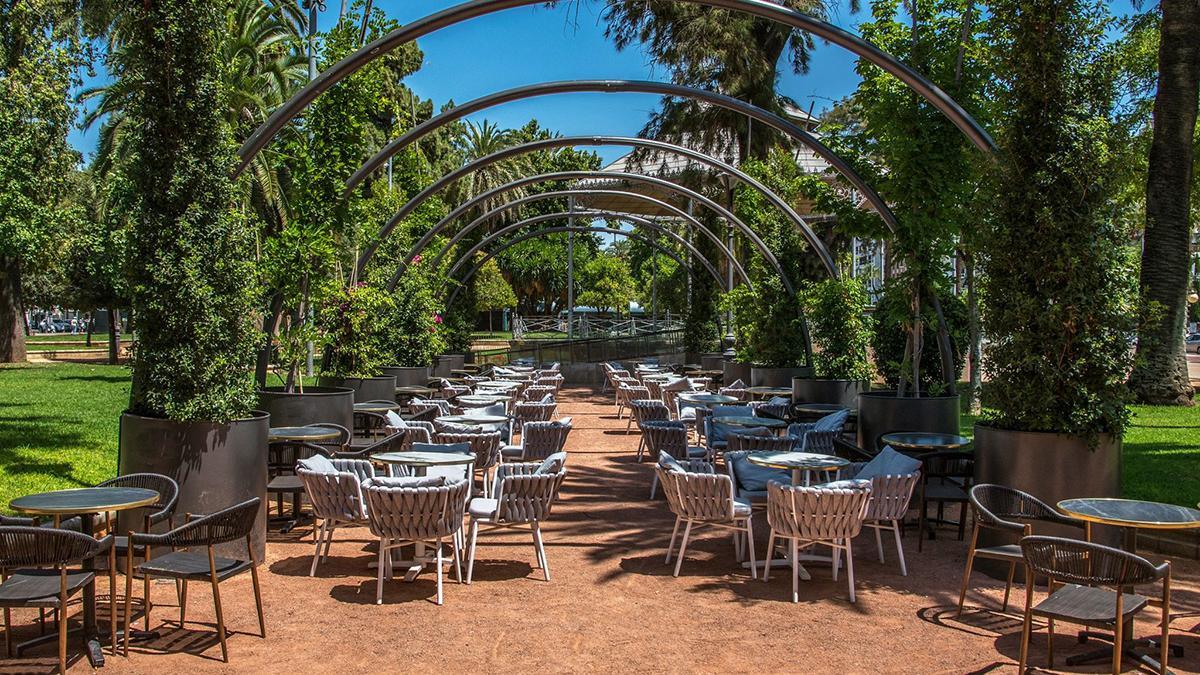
(736,389)
(642,411)
(37,563)
(618,383)
(485,445)
(945,479)
(670,392)
(523,494)
(227,525)
(537,393)
(337,443)
(1013,513)
(893,478)
(420,408)
(449,390)
(334,487)
(628,393)
(701,424)
(749,479)
(715,432)
(704,498)
(653,386)
(417,511)
(777,407)
(369,424)
(412,431)
(161,510)
(539,440)
(819,436)
(1088,584)
(669,437)
(282,480)
(553,381)
(754,440)
(847,450)
(816,516)
(532,411)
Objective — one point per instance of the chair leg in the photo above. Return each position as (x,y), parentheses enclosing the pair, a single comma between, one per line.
(850,569)
(258,606)
(457,543)
(128,598)
(837,561)
(1118,635)
(438,563)
(921,526)
(962,520)
(770,555)
(1026,626)
(750,546)
(687,531)
(320,537)
(962,591)
(328,540)
(899,548)
(878,540)
(537,538)
(671,546)
(653,484)
(1012,569)
(796,571)
(112,598)
(641,449)
(1049,643)
(216,587)
(380,569)
(471,553)
(146,594)
(62,625)
(8,632)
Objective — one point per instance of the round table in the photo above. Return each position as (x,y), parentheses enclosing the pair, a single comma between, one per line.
(506,385)
(924,441)
(299,434)
(376,406)
(476,420)
(85,503)
(420,462)
(411,390)
(749,421)
(480,400)
(800,463)
(821,409)
(767,392)
(707,400)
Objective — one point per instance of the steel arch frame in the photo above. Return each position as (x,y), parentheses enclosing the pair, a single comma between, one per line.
(573,175)
(481,220)
(564,228)
(562,215)
(469,10)
(794,131)
(565,141)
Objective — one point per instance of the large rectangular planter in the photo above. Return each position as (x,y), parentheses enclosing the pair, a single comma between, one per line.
(408,376)
(216,465)
(761,376)
(881,412)
(334,405)
(838,392)
(380,388)
(735,371)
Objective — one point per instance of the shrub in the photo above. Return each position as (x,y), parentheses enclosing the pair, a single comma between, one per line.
(840,328)
(768,324)
(413,331)
(356,343)
(892,314)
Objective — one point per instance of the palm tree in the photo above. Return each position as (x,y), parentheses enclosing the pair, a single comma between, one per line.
(480,140)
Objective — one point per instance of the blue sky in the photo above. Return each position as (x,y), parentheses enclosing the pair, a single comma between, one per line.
(537,44)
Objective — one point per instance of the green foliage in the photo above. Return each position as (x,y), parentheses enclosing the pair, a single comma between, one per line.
(412,329)
(893,315)
(607,283)
(768,324)
(492,291)
(95,260)
(190,279)
(1059,284)
(841,328)
(457,325)
(356,347)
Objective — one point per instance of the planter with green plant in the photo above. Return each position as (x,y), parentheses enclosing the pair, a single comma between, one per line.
(412,331)
(357,351)
(770,332)
(841,333)
(1060,278)
(191,278)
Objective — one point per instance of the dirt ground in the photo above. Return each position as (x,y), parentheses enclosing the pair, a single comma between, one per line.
(612,603)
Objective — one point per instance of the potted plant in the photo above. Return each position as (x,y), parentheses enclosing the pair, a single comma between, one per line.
(841,334)
(191,412)
(292,403)
(1059,277)
(770,332)
(412,330)
(355,353)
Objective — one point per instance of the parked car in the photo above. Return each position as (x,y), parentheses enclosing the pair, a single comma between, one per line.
(1192,344)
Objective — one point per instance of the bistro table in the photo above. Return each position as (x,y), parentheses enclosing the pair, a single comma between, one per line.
(472,420)
(707,400)
(376,406)
(302,434)
(86,503)
(481,400)
(801,464)
(818,409)
(923,442)
(749,421)
(767,392)
(1130,515)
(498,385)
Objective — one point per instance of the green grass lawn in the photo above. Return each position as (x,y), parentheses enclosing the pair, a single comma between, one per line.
(58,429)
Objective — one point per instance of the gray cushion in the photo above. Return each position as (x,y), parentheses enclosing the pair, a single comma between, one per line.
(318,464)
(395,421)
(753,477)
(512,450)
(669,463)
(554,463)
(741,507)
(855,483)
(733,411)
(889,463)
(406,481)
(832,422)
(719,433)
(464,448)
(736,384)
(680,384)
(483,508)
(779,400)
(486,411)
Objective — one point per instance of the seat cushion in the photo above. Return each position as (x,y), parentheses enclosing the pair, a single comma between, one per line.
(318,464)
(696,453)
(741,507)
(889,463)
(39,588)
(754,478)
(483,508)
(1087,604)
(191,564)
(511,451)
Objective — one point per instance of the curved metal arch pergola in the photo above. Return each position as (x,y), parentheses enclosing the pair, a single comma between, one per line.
(545,144)
(575,175)
(565,228)
(469,10)
(794,131)
(586,213)
(562,215)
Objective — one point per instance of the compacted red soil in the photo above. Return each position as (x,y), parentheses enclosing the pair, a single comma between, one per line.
(611,604)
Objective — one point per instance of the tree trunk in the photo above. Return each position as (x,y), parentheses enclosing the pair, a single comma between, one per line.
(270,324)
(945,351)
(12,320)
(976,337)
(1160,375)
(114,335)
(91,326)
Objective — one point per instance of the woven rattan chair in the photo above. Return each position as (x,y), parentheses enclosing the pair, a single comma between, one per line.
(622,381)
(37,563)
(336,499)
(626,395)
(890,497)
(1013,513)
(282,479)
(161,510)
(369,424)
(537,393)
(555,381)
(1091,581)
(417,511)
(654,386)
(227,525)
(945,479)
(739,393)
(484,445)
(449,390)
(779,411)
(669,437)
(819,436)
(532,411)
(812,516)
(699,499)
(645,410)
(539,440)
(523,495)
(428,409)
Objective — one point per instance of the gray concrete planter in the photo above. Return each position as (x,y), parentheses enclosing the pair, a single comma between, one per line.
(380,388)
(761,376)
(216,465)
(881,412)
(315,405)
(712,360)
(444,363)
(408,376)
(736,371)
(840,392)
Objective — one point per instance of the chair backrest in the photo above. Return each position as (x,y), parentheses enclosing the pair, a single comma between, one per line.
(697,496)
(342,439)
(368,423)
(533,411)
(647,409)
(336,495)
(228,524)
(733,411)
(415,508)
(283,455)
(890,496)
(539,440)
(524,492)
(951,465)
(654,386)
(23,546)
(666,436)
(628,393)
(817,512)
(1080,562)
(165,486)
(739,393)
(756,441)
(536,392)
(485,445)
(419,406)
(1002,507)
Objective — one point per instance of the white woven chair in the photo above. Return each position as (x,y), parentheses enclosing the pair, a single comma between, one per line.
(336,498)
(539,440)
(704,498)
(890,496)
(404,511)
(627,393)
(485,445)
(811,516)
(532,411)
(646,410)
(522,496)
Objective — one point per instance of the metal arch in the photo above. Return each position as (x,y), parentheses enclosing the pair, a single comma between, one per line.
(728,254)
(573,175)
(564,228)
(767,117)
(548,143)
(562,215)
(470,10)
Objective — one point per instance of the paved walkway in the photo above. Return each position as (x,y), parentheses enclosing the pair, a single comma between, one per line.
(612,604)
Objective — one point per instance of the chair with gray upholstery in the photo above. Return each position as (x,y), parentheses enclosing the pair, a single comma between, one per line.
(704,499)
(749,479)
(642,411)
(334,487)
(816,516)
(893,478)
(627,393)
(538,392)
(669,437)
(777,407)
(523,495)
(420,511)
(539,440)
(820,435)
(485,445)
(422,409)
(532,411)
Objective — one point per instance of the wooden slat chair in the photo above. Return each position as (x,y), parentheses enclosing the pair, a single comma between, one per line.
(816,516)
(1088,584)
